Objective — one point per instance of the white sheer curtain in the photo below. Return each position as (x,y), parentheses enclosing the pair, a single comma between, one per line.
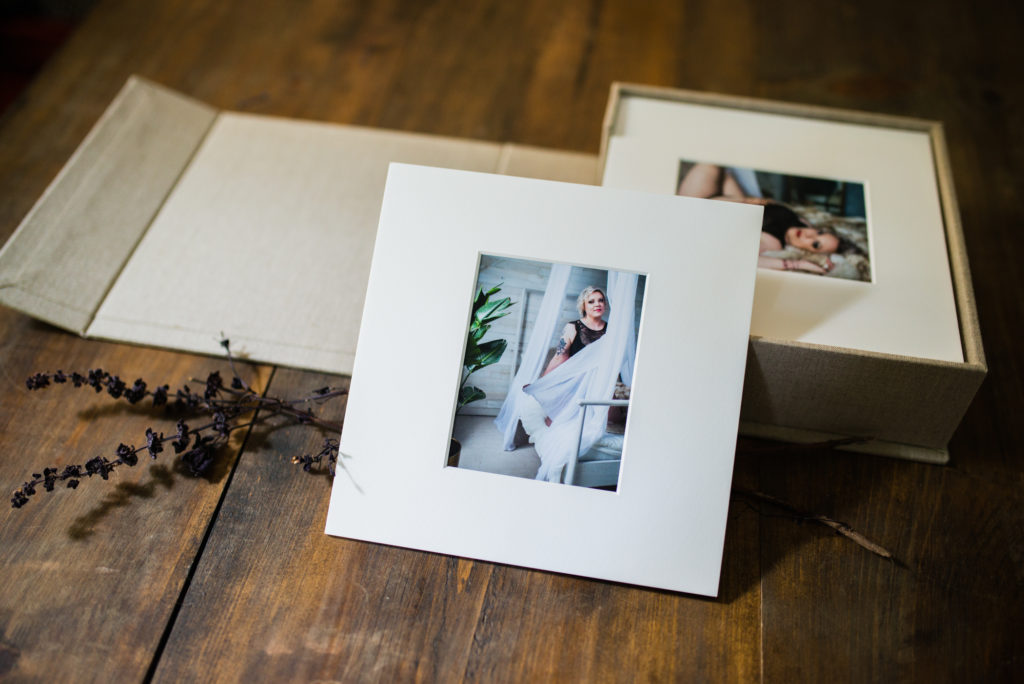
(591,373)
(535,353)
(628,285)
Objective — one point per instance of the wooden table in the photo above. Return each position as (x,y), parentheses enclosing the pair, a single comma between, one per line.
(158,575)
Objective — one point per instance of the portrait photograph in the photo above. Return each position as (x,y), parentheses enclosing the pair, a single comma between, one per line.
(546,377)
(538,378)
(813,226)
(852,251)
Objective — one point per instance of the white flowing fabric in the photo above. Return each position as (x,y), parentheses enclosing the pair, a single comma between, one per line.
(629,351)
(590,374)
(535,354)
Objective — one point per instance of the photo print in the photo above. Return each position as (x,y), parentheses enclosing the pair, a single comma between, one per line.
(813,226)
(547,372)
(470,241)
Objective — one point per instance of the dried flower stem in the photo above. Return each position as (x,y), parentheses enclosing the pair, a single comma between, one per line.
(197,446)
(227,403)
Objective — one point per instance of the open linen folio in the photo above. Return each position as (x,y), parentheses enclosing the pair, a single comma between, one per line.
(175,222)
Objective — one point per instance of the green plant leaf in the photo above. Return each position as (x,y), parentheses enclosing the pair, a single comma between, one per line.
(472,353)
(490,352)
(485,312)
(481,298)
(470,394)
(480,355)
(475,333)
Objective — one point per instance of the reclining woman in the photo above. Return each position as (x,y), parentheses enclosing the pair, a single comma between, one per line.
(781,227)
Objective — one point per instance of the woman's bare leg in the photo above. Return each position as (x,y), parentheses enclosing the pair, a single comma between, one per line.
(702,180)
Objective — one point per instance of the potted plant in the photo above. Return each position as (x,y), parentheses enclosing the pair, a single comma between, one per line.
(479,354)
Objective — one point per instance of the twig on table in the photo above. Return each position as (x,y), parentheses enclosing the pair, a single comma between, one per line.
(839,527)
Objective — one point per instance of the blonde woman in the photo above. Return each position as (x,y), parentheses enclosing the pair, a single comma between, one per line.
(590,327)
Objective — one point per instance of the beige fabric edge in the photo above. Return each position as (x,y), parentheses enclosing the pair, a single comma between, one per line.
(545,164)
(87,222)
(887,398)
(874,447)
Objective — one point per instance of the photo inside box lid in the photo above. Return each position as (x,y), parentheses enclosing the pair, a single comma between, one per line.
(853,251)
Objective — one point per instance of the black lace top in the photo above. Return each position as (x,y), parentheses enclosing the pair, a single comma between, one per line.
(778,219)
(585,336)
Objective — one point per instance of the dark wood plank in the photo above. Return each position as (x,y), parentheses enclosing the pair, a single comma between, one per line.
(91,576)
(302,605)
(949,611)
(956,611)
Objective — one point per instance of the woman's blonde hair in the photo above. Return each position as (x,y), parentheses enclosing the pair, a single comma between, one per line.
(587,291)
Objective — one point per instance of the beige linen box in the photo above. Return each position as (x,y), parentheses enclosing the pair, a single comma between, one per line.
(901,405)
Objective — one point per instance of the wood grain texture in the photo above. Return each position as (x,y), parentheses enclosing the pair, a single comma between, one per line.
(274,598)
(303,605)
(91,576)
(948,610)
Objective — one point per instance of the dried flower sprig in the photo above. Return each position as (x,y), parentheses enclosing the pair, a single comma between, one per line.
(328,453)
(224,405)
(197,447)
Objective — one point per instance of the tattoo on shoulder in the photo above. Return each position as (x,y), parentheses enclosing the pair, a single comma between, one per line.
(561,346)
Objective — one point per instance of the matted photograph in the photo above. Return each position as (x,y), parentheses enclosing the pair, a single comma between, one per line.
(547,374)
(815,226)
(853,251)
(509,314)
